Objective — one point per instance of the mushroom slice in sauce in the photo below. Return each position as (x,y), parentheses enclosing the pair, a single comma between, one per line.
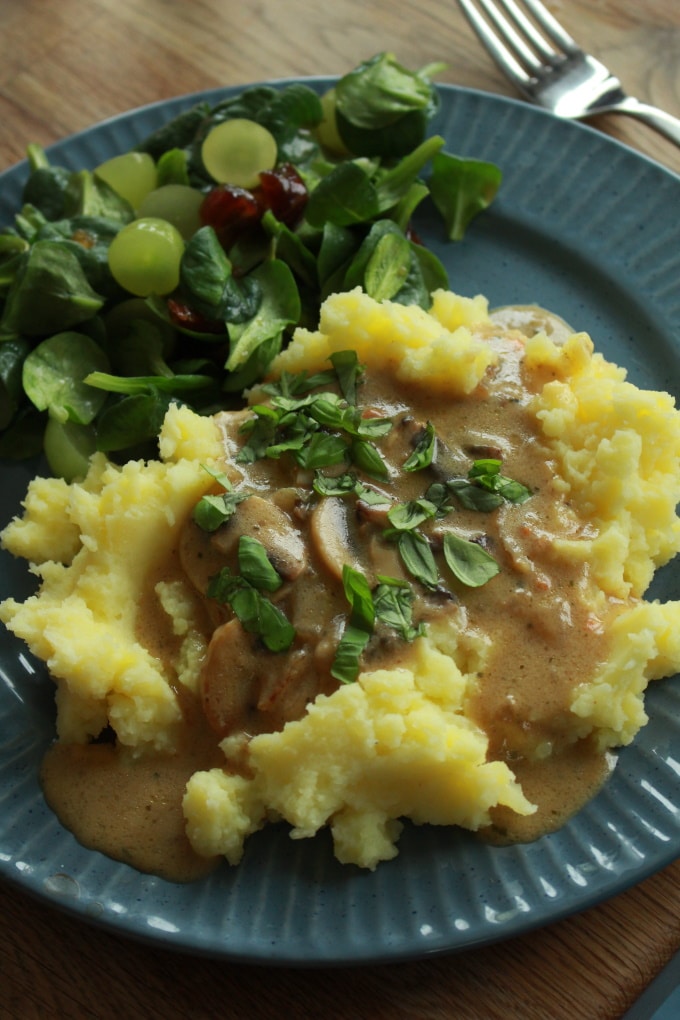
(333,532)
(269,524)
(246,689)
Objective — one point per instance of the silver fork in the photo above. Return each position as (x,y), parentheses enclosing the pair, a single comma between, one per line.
(550,69)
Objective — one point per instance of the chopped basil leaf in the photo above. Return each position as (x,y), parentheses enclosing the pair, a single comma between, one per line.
(511,490)
(393,602)
(348,371)
(369,496)
(471,564)
(275,630)
(487,474)
(255,566)
(212,511)
(345,665)
(328,411)
(406,516)
(358,594)
(245,602)
(438,494)
(291,383)
(373,428)
(222,586)
(424,450)
(472,497)
(219,477)
(417,557)
(287,446)
(485,466)
(322,450)
(340,485)
(367,457)
(256,613)
(261,430)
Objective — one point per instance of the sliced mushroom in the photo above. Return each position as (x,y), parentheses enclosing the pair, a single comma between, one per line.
(333,532)
(267,522)
(384,557)
(247,689)
(200,559)
(312,606)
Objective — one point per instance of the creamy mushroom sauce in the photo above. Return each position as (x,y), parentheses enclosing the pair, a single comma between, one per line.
(537,613)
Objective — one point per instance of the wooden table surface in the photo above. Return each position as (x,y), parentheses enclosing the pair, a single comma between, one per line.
(63,67)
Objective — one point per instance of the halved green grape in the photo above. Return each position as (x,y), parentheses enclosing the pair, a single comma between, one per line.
(327,131)
(144,256)
(237,150)
(132,174)
(178,204)
(68,448)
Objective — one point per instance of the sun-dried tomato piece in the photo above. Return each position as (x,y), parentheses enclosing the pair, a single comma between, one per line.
(84,238)
(284,192)
(231,211)
(187,317)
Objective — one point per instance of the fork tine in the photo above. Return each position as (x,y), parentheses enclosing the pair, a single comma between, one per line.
(552,27)
(508,33)
(537,40)
(498,50)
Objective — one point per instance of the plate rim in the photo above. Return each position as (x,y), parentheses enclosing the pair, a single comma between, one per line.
(186,943)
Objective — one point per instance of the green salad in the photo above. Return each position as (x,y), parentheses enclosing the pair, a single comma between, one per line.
(177,271)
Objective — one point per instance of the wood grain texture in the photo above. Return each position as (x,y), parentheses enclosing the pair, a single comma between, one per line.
(65,66)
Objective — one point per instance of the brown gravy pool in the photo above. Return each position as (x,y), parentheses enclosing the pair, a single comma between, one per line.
(546,639)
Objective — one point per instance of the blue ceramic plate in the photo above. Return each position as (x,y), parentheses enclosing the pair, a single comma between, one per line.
(582,226)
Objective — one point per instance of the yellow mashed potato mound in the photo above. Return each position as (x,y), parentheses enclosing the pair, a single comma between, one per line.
(92,545)
(397,743)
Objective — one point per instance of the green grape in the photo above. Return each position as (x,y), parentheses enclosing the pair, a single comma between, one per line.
(68,448)
(144,256)
(327,131)
(133,175)
(178,204)
(236,151)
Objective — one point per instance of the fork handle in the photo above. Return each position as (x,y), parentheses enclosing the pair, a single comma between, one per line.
(660,120)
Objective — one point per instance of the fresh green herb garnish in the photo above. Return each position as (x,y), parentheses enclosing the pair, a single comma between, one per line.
(393,603)
(301,424)
(424,450)
(334,485)
(389,603)
(358,594)
(357,632)
(321,450)
(487,474)
(418,558)
(407,516)
(345,665)
(214,510)
(348,372)
(368,458)
(242,592)
(467,561)
(255,566)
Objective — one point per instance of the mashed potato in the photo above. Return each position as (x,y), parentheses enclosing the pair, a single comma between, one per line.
(401,742)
